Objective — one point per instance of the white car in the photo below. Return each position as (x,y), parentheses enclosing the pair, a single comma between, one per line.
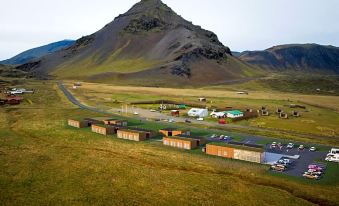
(332,158)
(152,110)
(273,145)
(301,147)
(313,149)
(136,113)
(290,146)
(171,121)
(200,119)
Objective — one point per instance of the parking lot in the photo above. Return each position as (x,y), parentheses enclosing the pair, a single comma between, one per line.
(298,166)
(300,159)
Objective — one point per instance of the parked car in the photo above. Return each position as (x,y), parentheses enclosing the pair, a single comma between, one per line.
(311,176)
(313,149)
(301,147)
(152,110)
(332,158)
(171,120)
(315,167)
(200,119)
(273,145)
(187,121)
(136,113)
(284,161)
(278,167)
(214,136)
(290,146)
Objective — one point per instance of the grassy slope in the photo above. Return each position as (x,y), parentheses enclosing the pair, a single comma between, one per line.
(92,65)
(45,162)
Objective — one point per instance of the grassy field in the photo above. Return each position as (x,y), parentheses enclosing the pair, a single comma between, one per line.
(45,162)
(320,117)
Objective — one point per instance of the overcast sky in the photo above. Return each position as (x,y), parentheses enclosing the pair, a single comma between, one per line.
(239,24)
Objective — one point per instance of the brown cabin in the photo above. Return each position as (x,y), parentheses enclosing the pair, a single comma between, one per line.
(180,142)
(135,134)
(78,123)
(104,129)
(175,113)
(169,132)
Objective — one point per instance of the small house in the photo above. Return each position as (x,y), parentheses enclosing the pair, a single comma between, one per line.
(169,132)
(175,113)
(103,129)
(242,92)
(234,114)
(283,115)
(295,114)
(202,99)
(78,123)
(180,142)
(279,111)
(196,112)
(134,134)
(239,151)
(218,115)
(13,100)
(264,112)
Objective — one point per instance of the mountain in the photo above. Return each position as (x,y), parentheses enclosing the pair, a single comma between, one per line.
(296,57)
(38,52)
(150,45)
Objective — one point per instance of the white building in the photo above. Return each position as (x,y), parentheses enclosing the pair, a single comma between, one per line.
(234,114)
(196,112)
(218,114)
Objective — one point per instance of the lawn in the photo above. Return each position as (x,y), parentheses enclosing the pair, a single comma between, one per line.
(45,162)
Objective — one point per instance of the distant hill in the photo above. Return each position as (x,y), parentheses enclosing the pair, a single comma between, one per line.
(10,71)
(149,45)
(296,57)
(38,52)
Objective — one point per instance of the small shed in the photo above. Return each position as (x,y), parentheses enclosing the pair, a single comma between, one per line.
(169,132)
(295,114)
(278,111)
(175,113)
(78,123)
(104,129)
(202,99)
(13,100)
(283,115)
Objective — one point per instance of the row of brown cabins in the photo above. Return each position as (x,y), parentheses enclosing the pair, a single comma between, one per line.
(176,138)
(108,126)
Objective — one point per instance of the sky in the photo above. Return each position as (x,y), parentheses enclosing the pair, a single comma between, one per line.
(239,24)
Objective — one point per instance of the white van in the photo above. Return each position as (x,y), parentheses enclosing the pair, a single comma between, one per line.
(333,156)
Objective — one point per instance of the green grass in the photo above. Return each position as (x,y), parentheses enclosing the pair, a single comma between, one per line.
(45,162)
